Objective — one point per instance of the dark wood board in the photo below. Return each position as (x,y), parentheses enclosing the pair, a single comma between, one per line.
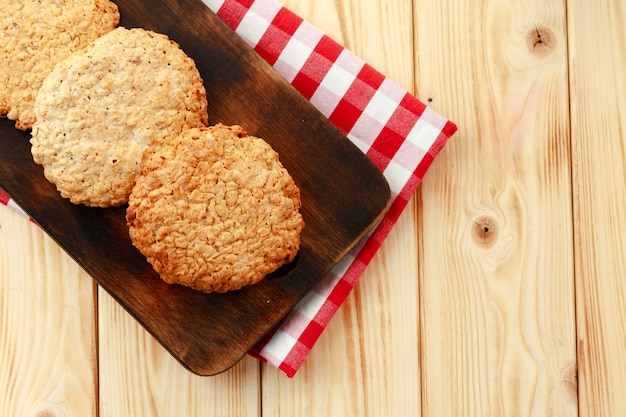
(344,195)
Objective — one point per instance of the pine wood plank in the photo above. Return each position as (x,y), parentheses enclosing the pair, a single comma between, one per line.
(47,326)
(597,60)
(366,362)
(496,258)
(140,378)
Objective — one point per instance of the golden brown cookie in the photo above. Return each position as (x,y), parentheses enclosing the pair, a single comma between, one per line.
(215,210)
(100,110)
(34,36)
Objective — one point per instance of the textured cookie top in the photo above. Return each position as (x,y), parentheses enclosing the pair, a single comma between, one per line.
(100,110)
(34,36)
(215,210)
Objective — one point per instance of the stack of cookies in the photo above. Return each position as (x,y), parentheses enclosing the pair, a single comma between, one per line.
(119,116)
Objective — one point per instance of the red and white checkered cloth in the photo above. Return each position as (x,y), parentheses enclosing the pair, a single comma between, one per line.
(395,130)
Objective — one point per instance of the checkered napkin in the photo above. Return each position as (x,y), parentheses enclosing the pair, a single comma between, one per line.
(396,131)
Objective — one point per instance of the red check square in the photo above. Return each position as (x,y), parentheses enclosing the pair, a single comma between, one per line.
(345,115)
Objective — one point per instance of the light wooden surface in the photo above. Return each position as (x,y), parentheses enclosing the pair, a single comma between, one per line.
(501,292)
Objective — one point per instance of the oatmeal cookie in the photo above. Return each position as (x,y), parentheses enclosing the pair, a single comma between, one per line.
(215,210)
(101,110)
(34,36)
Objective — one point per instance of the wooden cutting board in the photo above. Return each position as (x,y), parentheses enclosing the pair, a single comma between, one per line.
(344,195)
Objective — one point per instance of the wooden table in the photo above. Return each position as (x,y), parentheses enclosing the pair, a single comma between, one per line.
(501,292)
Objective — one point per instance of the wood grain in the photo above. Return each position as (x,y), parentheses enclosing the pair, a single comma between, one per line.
(598,86)
(366,362)
(496,265)
(48,343)
(140,378)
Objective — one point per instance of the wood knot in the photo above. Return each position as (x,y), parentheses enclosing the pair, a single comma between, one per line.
(540,40)
(570,381)
(485,231)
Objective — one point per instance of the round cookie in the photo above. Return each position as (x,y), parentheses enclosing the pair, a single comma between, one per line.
(215,210)
(34,36)
(101,110)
